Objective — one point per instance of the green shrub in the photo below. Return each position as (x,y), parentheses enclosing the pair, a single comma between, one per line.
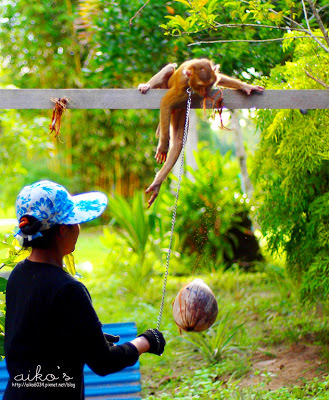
(212,211)
(137,228)
(11,254)
(217,342)
(291,175)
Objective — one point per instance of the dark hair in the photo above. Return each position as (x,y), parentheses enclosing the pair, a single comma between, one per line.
(43,242)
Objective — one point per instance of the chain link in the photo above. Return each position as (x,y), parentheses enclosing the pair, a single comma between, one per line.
(173,220)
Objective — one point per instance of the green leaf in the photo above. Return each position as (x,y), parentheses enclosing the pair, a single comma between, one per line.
(70,264)
(3,284)
(185,2)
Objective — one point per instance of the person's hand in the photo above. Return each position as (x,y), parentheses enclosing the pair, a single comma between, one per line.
(111,339)
(156,340)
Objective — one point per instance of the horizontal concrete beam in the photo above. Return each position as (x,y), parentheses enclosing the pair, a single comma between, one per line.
(133,99)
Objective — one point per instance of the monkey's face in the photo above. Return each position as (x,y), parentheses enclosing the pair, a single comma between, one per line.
(202,77)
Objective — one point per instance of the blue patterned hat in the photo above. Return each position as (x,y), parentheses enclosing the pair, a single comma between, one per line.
(52,204)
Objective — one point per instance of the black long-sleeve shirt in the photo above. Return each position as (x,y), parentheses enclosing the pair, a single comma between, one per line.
(51,331)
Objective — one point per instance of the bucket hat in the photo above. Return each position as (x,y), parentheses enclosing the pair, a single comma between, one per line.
(51,204)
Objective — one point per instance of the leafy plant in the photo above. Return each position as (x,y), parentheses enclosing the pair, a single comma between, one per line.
(217,342)
(135,224)
(143,234)
(13,254)
(13,250)
(132,221)
(69,264)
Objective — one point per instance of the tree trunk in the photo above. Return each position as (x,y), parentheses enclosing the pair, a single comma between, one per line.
(241,153)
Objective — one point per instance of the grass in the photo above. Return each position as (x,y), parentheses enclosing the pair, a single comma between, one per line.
(90,251)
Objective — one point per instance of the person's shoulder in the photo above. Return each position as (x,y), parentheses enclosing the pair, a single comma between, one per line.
(72,287)
(19,269)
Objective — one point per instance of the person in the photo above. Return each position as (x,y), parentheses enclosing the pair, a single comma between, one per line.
(51,327)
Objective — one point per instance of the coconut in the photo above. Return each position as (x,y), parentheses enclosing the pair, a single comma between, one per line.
(195,307)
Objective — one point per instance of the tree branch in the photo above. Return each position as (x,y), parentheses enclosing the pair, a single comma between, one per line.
(326,49)
(297,27)
(138,12)
(306,17)
(319,10)
(317,80)
(319,21)
(254,40)
(286,28)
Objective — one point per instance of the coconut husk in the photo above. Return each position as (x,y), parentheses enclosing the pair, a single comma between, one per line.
(195,307)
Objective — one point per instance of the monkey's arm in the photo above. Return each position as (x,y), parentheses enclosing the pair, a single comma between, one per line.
(174,152)
(166,106)
(159,80)
(227,81)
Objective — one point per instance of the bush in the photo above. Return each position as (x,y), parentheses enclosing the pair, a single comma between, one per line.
(292,176)
(11,254)
(213,215)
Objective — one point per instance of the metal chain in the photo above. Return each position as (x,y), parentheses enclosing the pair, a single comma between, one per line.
(173,220)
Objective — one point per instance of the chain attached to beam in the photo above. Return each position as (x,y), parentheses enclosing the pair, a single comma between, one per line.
(173,220)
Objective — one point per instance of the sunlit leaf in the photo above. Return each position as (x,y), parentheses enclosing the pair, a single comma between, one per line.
(70,264)
(184,2)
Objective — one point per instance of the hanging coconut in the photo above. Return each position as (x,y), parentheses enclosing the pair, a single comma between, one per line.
(195,307)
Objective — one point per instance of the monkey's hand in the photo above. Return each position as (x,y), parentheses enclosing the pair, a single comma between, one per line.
(161,156)
(144,87)
(161,153)
(248,89)
(155,188)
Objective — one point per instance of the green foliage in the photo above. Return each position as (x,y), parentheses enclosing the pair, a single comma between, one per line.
(220,23)
(37,46)
(70,264)
(128,49)
(292,174)
(211,205)
(134,225)
(23,138)
(216,343)
(11,254)
(202,15)
(137,224)
(224,28)
(143,236)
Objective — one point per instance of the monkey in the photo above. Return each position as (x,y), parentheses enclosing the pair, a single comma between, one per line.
(200,75)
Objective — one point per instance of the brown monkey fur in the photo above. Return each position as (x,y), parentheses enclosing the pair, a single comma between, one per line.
(198,74)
